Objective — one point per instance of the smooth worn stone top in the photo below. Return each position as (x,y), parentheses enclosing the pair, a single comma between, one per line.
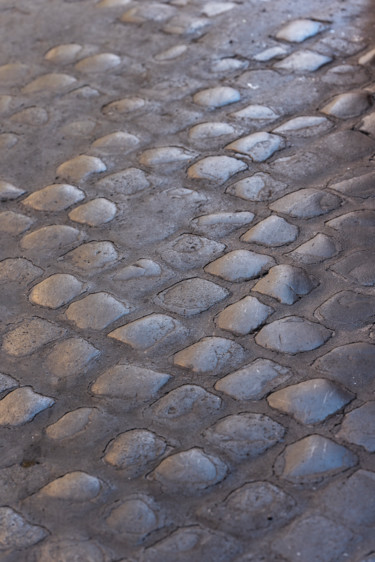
(285,283)
(81,167)
(210,354)
(74,487)
(17,532)
(56,290)
(54,83)
(21,406)
(98,63)
(303,61)
(244,316)
(292,334)
(240,265)
(30,335)
(55,197)
(9,191)
(217,97)
(299,30)
(216,168)
(350,104)
(272,231)
(259,146)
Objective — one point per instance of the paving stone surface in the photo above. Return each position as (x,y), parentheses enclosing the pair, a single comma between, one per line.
(187,273)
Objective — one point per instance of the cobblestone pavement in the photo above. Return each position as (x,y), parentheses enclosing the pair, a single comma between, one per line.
(187,269)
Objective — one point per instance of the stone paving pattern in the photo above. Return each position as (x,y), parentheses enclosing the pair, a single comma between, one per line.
(187,269)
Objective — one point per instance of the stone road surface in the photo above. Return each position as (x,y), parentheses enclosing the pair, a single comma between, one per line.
(187,269)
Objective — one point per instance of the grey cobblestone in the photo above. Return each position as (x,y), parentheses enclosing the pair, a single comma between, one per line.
(186,268)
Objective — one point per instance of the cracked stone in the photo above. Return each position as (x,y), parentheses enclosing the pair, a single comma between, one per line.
(303,61)
(21,406)
(191,296)
(94,213)
(189,251)
(129,382)
(305,538)
(351,500)
(244,435)
(56,290)
(98,63)
(210,130)
(188,400)
(347,310)
(216,168)
(7,382)
(209,354)
(149,331)
(272,231)
(306,203)
(189,472)
(126,182)
(350,104)
(285,283)
(14,223)
(258,187)
(54,238)
(56,197)
(18,270)
(96,311)
(9,192)
(54,82)
(358,267)
(256,111)
(305,126)
(165,155)
(81,167)
(217,97)
(315,250)
(16,532)
(141,268)
(116,142)
(93,256)
(244,316)
(361,186)
(74,487)
(254,381)
(292,335)
(358,427)
(259,146)
(299,30)
(350,365)
(29,336)
(277,51)
(313,458)
(134,449)
(254,506)
(310,401)
(135,518)
(70,357)
(71,424)
(240,265)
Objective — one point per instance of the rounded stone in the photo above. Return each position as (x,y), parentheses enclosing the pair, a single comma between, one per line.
(7,141)
(292,335)
(244,316)
(116,142)
(95,212)
(141,268)
(55,197)
(93,256)
(125,105)
(257,112)
(191,296)
(9,192)
(303,61)
(154,11)
(63,54)
(98,63)
(317,249)
(210,130)
(14,223)
(34,116)
(305,126)
(271,53)
(80,167)
(148,331)
(189,472)
(165,155)
(310,401)
(188,401)
(253,381)
(216,168)
(29,336)
(18,270)
(347,310)
(71,424)
(240,265)
(357,267)
(126,182)
(21,406)
(188,251)
(54,238)
(285,283)
(258,187)
(71,550)
(210,354)
(130,382)
(96,311)
(73,487)
(244,435)
(7,382)
(217,97)
(134,449)
(172,53)
(135,516)
(16,532)
(358,427)
(54,83)
(70,357)
(306,203)
(221,224)
(212,9)
(299,30)
(56,290)
(272,231)
(259,146)
(350,104)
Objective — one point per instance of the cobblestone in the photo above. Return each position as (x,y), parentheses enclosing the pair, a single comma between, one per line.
(186,272)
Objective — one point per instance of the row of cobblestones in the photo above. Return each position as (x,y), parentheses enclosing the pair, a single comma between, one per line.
(187,275)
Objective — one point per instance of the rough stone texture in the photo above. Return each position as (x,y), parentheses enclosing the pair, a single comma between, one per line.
(161,162)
